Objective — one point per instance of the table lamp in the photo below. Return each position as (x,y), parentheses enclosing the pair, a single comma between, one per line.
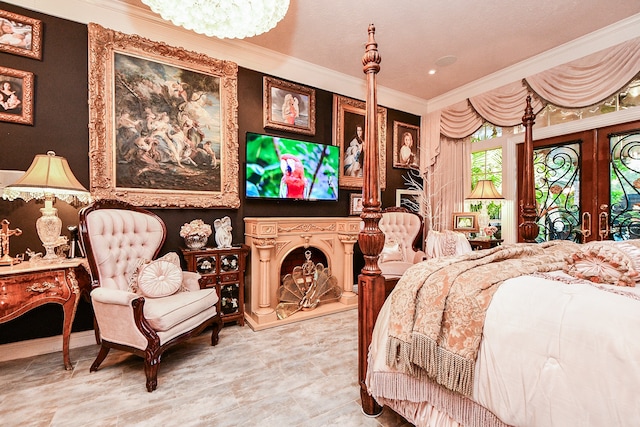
(484,191)
(48,177)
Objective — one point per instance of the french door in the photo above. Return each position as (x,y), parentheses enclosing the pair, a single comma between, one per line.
(588,184)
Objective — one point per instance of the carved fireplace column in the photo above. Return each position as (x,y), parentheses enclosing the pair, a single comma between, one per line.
(348,296)
(264,247)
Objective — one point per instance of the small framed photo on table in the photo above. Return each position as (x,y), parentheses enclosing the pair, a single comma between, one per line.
(466,222)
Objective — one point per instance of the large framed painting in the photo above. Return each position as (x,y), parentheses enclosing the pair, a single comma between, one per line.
(16,96)
(349,133)
(20,35)
(406,146)
(289,107)
(163,126)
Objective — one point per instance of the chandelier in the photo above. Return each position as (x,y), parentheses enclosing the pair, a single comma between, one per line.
(222,18)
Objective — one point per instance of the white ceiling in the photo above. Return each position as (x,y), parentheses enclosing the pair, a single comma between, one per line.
(484,36)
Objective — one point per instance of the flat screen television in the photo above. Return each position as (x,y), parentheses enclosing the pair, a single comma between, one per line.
(290,169)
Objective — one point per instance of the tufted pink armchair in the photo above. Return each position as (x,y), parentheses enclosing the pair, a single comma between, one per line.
(402,231)
(118,239)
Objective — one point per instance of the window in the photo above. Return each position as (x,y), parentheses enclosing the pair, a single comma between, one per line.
(628,97)
(487,164)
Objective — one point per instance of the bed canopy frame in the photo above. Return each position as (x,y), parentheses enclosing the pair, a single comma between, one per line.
(371,287)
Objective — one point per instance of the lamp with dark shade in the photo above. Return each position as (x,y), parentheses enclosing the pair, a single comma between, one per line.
(48,177)
(484,191)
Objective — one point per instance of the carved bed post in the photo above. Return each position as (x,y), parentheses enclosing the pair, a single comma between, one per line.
(529,227)
(371,292)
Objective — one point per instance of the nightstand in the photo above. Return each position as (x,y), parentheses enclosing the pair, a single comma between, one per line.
(223,269)
(27,285)
(477,244)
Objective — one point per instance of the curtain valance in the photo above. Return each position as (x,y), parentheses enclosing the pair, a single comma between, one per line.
(580,83)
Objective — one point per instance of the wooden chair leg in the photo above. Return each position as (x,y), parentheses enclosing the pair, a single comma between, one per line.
(216,331)
(102,354)
(151,365)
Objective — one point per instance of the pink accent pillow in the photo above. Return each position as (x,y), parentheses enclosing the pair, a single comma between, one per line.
(159,279)
(615,263)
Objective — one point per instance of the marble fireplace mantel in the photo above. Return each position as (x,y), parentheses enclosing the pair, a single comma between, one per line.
(272,239)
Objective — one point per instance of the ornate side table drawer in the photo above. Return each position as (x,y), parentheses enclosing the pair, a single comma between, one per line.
(26,286)
(23,292)
(208,282)
(229,278)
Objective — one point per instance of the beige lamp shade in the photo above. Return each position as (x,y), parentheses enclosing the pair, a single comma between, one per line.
(485,190)
(48,174)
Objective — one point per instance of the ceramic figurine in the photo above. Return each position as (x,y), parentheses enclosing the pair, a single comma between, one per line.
(223,232)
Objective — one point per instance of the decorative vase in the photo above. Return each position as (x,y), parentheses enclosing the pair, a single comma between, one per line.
(196,241)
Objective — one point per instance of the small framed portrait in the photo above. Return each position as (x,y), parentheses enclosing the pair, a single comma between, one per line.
(16,96)
(20,35)
(355,205)
(349,135)
(406,146)
(288,106)
(466,222)
(409,199)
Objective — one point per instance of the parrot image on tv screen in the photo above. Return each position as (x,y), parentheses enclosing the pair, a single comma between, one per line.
(293,184)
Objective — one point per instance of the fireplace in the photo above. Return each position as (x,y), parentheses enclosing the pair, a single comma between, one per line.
(274,241)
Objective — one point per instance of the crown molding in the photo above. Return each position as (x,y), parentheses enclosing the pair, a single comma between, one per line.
(124,17)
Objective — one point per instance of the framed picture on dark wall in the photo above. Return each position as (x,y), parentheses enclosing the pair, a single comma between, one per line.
(410,199)
(288,106)
(20,35)
(16,96)
(406,146)
(355,204)
(349,135)
(163,126)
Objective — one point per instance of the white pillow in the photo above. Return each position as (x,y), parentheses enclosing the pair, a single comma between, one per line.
(391,251)
(159,278)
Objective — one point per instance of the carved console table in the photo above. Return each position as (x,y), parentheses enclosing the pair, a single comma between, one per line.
(25,286)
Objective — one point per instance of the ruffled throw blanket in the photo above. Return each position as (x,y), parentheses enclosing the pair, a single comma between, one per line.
(438,308)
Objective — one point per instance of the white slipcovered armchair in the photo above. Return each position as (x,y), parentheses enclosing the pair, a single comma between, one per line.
(402,231)
(141,306)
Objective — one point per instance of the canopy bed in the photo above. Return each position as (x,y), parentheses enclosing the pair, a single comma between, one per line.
(523,334)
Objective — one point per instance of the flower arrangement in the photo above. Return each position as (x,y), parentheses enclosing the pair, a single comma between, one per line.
(490,230)
(197,227)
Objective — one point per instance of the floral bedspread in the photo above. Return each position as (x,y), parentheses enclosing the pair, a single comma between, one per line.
(438,308)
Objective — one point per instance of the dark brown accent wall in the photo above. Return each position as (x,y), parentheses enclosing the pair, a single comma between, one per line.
(61,124)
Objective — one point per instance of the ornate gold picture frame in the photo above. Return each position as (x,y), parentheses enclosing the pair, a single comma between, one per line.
(21,35)
(16,96)
(288,106)
(348,134)
(355,204)
(406,146)
(163,126)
